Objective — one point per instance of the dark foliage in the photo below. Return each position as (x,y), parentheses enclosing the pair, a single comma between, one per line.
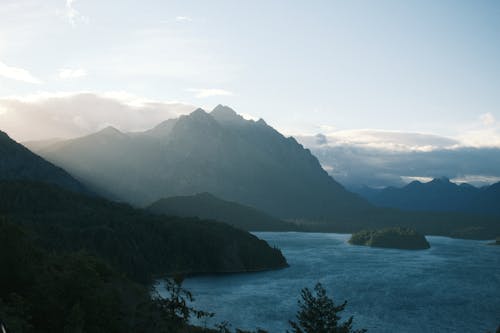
(319,314)
(48,292)
(398,238)
(137,243)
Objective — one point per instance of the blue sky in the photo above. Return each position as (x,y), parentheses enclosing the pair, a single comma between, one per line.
(304,66)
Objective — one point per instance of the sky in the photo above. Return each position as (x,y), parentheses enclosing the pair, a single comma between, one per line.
(341,68)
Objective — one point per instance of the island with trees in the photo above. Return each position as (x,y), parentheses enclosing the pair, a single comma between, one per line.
(396,238)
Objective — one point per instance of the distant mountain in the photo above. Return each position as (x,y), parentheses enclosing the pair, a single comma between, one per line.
(207,206)
(437,195)
(218,152)
(134,241)
(19,163)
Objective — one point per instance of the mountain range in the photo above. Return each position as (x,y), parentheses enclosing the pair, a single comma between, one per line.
(61,216)
(219,152)
(208,206)
(440,194)
(242,161)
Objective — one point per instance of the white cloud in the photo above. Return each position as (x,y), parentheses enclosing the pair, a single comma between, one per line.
(489,137)
(72,15)
(70,73)
(18,74)
(248,116)
(476,179)
(380,139)
(203,93)
(183,19)
(327,168)
(483,133)
(66,115)
(409,179)
(487,119)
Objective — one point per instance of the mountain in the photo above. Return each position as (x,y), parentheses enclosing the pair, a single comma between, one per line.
(219,152)
(19,163)
(132,240)
(437,195)
(208,206)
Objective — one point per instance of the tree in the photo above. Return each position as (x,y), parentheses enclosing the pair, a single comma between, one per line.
(319,314)
(174,308)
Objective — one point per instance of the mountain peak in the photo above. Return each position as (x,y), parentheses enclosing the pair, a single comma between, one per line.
(261,122)
(110,130)
(225,114)
(223,109)
(198,111)
(441,180)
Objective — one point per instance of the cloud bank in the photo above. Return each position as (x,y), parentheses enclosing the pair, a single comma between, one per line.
(386,158)
(354,157)
(66,115)
(16,73)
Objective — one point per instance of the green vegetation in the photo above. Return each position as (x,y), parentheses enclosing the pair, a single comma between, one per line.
(319,314)
(135,242)
(42,291)
(397,238)
(496,242)
(45,291)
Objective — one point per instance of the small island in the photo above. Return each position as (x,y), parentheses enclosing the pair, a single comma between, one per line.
(496,242)
(395,238)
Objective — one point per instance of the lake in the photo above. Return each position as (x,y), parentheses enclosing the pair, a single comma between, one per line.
(452,287)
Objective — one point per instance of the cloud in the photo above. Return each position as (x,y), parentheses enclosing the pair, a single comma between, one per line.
(485,132)
(19,74)
(66,115)
(380,139)
(69,73)
(409,179)
(72,15)
(387,158)
(355,166)
(203,93)
(183,19)
(487,119)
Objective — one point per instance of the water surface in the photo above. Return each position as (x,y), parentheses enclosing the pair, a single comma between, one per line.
(452,287)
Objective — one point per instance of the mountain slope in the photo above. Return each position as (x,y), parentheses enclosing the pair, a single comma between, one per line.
(207,206)
(132,240)
(437,195)
(235,159)
(19,163)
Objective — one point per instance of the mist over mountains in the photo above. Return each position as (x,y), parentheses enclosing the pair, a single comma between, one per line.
(218,152)
(61,215)
(380,158)
(19,163)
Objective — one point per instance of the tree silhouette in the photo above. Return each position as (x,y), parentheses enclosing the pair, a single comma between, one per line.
(319,314)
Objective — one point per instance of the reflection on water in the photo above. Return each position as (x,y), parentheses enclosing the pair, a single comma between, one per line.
(452,287)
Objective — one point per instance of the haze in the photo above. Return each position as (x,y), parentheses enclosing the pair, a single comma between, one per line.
(400,71)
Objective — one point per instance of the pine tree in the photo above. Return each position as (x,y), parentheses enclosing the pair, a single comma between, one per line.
(319,314)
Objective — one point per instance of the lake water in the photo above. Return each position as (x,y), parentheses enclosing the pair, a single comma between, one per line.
(452,287)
